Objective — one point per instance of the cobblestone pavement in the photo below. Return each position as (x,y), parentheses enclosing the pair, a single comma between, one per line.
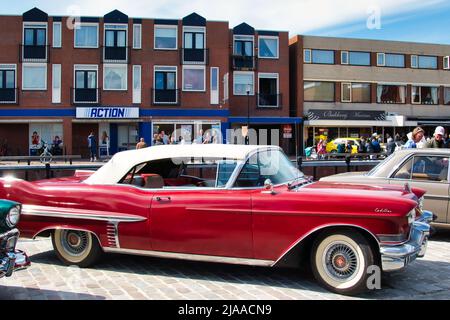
(131,277)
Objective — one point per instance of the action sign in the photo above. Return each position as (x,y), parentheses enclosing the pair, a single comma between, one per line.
(108,113)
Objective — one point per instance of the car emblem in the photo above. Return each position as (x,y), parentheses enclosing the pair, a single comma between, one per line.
(378,210)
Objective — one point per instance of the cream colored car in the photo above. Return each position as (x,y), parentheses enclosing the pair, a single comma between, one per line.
(422,168)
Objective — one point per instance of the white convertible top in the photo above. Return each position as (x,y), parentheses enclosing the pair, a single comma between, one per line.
(121,163)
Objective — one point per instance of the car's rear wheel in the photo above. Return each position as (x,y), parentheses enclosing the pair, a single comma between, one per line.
(339,261)
(73,247)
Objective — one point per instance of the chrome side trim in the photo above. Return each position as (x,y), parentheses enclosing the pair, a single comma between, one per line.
(68,213)
(321,228)
(435,197)
(192,257)
(65,228)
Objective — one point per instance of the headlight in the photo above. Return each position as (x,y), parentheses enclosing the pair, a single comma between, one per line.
(412,216)
(12,219)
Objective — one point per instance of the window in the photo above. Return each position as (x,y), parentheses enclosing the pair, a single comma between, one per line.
(307,56)
(166,37)
(447,95)
(7,83)
(268,47)
(319,91)
(424,95)
(268,90)
(137,36)
(243,82)
(193,78)
(34,41)
(355,58)
(137,84)
(391,94)
(226,88)
(404,173)
(214,85)
(430,168)
(85,84)
(34,76)
(116,42)
(322,56)
(356,92)
(381,59)
(57,35)
(423,62)
(446,62)
(165,85)
(270,164)
(115,77)
(243,46)
(56,83)
(194,44)
(86,35)
(394,60)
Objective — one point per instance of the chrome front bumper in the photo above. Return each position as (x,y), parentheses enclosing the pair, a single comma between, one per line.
(10,259)
(398,257)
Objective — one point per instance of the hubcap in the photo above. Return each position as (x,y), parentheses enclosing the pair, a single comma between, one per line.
(74,242)
(340,261)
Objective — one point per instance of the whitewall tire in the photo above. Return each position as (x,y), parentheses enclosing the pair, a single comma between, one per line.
(339,261)
(73,247)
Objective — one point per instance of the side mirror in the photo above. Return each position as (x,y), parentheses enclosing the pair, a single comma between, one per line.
(268,187)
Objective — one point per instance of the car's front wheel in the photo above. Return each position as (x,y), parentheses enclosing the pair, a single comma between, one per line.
(73,247)
(339,261)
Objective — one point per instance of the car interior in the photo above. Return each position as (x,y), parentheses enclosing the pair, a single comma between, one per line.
(180,173)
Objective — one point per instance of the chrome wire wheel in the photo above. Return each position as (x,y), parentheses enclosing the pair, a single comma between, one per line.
(73,246)
(340,261)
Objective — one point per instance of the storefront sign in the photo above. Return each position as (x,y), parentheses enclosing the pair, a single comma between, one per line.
(108,113)
(358,115)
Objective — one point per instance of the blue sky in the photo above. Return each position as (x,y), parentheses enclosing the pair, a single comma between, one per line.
(404,20)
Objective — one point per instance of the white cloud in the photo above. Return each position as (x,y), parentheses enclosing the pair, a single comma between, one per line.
(297,16)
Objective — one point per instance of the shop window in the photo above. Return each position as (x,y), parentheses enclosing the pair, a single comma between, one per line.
(319,91)
(50,135)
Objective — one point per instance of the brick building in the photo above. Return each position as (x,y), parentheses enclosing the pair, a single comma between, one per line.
(124,78)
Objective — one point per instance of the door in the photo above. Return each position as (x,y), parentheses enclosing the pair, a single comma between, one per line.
(428,172)
(205,222)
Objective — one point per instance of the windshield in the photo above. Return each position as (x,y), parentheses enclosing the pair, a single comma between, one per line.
(269,164)
(380,166)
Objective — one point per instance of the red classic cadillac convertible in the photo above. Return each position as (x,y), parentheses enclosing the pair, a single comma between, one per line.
(225,203)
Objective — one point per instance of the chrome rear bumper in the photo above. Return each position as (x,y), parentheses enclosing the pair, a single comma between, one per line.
(10,259)
(398,257)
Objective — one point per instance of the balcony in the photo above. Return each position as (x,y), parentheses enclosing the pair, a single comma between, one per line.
(8,96)
(269,100)
(165,97)
(116,54)
(244,63)
(85,96)
(195,56)
(33,53)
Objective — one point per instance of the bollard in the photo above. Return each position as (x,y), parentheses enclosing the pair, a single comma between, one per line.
(47,170)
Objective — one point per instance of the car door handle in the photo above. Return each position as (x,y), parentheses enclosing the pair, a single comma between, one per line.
(163,199)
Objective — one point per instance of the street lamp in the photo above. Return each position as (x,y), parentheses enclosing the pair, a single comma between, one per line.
(247,138)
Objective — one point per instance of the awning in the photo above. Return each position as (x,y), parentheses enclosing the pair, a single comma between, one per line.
(348,123)
(266,120)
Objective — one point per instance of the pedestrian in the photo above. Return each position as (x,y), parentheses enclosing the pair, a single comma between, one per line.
(165,137)
(416,137)
(390,146)
(362,146)
(437,141)
(159,141)
(349,147)
(141,144)
(92,145)
(321,149)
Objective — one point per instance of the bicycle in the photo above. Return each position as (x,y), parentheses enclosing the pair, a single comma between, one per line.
(46,157)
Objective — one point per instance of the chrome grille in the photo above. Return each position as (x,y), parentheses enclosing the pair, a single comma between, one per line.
(112,234)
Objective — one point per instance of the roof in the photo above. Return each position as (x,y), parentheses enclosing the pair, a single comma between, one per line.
(122,162)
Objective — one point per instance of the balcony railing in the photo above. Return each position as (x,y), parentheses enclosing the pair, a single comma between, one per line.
(244,62)
(267,100)
(116,54)
(28,53)
(8,96)
(195,56)
(85,96)
(166,97)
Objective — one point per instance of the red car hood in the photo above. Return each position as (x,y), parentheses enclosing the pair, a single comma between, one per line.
(350,188)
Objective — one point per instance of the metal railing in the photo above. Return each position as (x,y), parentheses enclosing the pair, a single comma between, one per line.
(34,53)
(240,62)
(9,96)
(194,56)
(116,54)
(80,96)
(267,100)
(169,97)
